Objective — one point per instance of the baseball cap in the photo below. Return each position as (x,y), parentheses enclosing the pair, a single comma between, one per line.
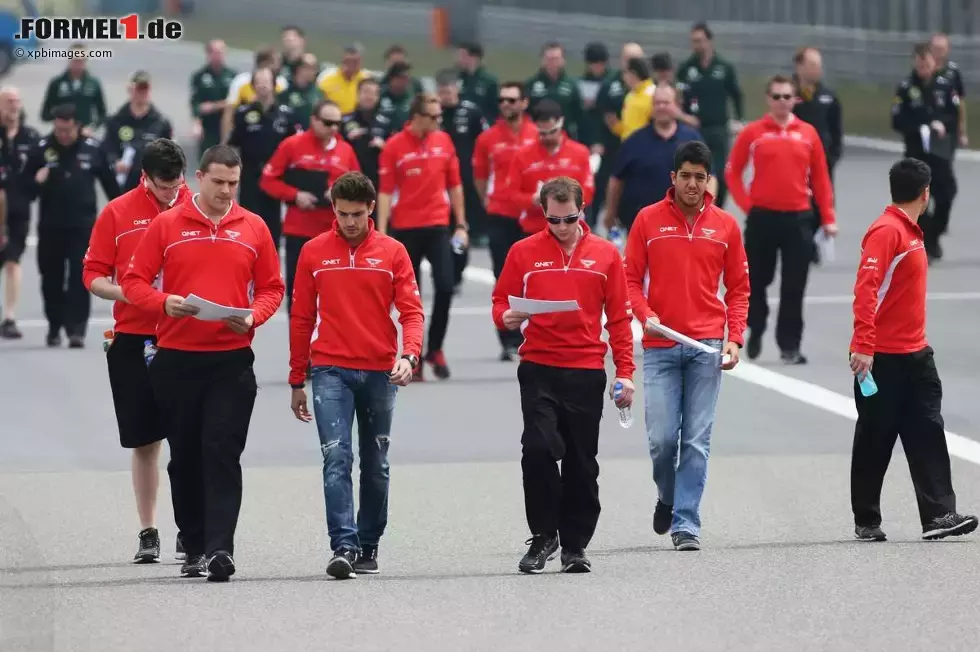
(140,78)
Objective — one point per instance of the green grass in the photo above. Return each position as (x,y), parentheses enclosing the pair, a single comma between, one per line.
(866,107)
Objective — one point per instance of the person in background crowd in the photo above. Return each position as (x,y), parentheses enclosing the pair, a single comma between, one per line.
(890,340)
(927,102)
(209,95)
(398,54)
(397,95)
(117,232)
(675,281)
(939,45)
(477,85)
(645,165)
(131,129)
(242,92)
(366,129)
(61,171)
(553,83)
(419,165)
(562,372)
(596,72)
(787,159)
(341,84)
(293,51)
(260,127)
(302,93)
(708,82)
(638,103)
(341,320)
(79,88)
(202,373)
(18,139)
(493,156)
(662,66)
(554,154)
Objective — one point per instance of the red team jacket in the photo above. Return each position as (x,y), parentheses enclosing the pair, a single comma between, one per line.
(342,301)
(233,263)
(890,290)
(418,173)
(493,154)
(114,238)
(306,151)
(673,271)
(533,165)
(785,161)
(537,268)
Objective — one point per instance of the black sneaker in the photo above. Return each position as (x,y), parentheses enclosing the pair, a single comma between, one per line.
(869,533)
(53,340)
(950,525)
(575,561)
(792,357)
(9,330)
(220,566)
(663,516)
(341,566)
(543,549)
(195,566)
(753,347)
(506,356)
(179,551)
(685,541)
(149,551)
(367,561)
(76,341)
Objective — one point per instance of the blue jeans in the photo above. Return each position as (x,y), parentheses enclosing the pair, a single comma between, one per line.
(338,395)
(680,386)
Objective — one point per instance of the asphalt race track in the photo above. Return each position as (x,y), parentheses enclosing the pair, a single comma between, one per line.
(779,569)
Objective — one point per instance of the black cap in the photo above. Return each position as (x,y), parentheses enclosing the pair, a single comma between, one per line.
(399,68)
(596,53)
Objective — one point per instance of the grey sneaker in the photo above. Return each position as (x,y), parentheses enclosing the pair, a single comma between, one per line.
(949,525)
(685,541)
(868,533)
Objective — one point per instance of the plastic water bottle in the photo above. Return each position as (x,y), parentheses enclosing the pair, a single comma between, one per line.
(625,413)
(457,244)
(616,237)
(149,350)
(867,385)
(107,340)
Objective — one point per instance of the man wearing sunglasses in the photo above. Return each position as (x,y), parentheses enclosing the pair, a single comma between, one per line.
(788,158)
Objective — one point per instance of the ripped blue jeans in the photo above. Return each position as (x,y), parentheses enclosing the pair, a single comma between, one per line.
(339,395)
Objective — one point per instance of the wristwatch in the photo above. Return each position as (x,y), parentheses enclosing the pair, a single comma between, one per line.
(464,227)
(412,359)
(299,386)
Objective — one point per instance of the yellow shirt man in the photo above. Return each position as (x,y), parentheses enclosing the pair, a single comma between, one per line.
(241,92)
(340,90)
(637,108)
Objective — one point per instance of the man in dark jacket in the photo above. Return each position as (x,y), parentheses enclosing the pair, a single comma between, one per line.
(366,129)
(132,128)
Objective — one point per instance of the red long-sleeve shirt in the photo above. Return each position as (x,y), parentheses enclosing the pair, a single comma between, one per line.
(785,162)
(533,165)
(890,290)
(233,263)
(673,270)
(493,154)
(537,268)
(418,173)
(342,300)
(305,151)
(115,236)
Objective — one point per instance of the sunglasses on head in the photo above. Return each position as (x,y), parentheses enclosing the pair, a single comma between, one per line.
(782,96)
(568,219)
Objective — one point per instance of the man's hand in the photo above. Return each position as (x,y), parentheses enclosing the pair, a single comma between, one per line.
(513,319)
(731,349)
(626,398)
(378,142)
(174,307)
(463,235)
(298,404)
(121,166)
(964,140)
(401,373)
(42,175)
(609,219)
(939,128)
(861,364)
(305,200)
(240,325)
(831,229)
(649,329)
(207,108)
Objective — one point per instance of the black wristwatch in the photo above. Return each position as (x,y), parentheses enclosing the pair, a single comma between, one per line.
(299,386)
(412,359)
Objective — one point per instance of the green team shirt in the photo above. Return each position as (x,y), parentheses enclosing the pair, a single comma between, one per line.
(396,109)
(480,88)
(301,101)
(707,90)
(85,93)
(210,85)
(591,131)
(563,90)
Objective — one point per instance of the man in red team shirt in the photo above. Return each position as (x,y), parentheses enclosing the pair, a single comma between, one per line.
(494,152)
(787,156)
(890,339)
(299,174)
(420,167)
(562,371)
(346,282)
(115,235)
(555,154)
(202,374)
(678,251)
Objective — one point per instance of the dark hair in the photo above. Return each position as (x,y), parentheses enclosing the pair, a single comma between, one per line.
(353,187)
(562,189)
(219,155)
(319,106)
(163,159)
(639,67)
(513,84)
(553,45)
(547,110)
(64,112)
(778,79)
(662,61)
(702,26)
(694,152)
(447,77)
(921,50)
(264,56)
(908,179)
(395,49)
(472,48)
(293,28)
(420,101)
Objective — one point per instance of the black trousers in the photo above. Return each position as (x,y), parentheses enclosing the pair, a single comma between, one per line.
(562,409)
(788,236)
(601,185)
(943,188)
(206,399)
(907,406)
(294,244)
(503,233)
(268,208)
(433,244)
(476,217)
(67,304)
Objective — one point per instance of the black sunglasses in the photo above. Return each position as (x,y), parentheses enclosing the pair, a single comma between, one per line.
(508,100)
(568,219)
(783,96)
(330,123)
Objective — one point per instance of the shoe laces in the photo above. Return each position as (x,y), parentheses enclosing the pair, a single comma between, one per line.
(538,544)
(947,520)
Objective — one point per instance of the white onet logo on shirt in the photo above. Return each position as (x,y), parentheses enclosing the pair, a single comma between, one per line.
(914,242)
(332,261)
(374,262)
(665,229)
(189,234)
(871,260)
(708,232)
(588,263)
(141,222)
(232,234)
(544,264)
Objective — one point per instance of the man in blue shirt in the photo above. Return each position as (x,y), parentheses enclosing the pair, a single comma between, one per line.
(641,173)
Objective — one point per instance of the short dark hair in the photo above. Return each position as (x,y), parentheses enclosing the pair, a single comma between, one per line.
(562,189)
(778,79)
(472,48)
(64,112)
(514,84)
(420,101)
(447,77)
(702,26)
(553,45)
(319,106)
(219,155)
(921,50)
(547,110)
(662,61)
(908,179)
(639,67)
(353,187)
(293,28)
(694,152)
(395,49)
(163,159)
(264,56)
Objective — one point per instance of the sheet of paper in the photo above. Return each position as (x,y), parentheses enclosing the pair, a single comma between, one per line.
(210,311)
(825,245)
(538,307)
(680,338)
(925,131)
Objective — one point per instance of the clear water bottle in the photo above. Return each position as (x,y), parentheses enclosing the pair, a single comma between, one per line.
(149,351)
(617,237)
(625,413)
(868,385)
(457,244)
(107,337)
